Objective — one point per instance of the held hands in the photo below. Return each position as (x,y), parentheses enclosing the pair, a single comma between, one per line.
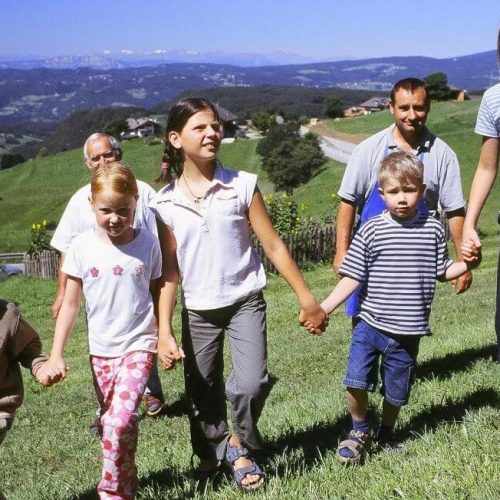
(471,252)
(52,371)
(169,353)
(313,318)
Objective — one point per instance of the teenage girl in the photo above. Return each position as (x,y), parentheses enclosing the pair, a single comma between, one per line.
(116,266)
(206,214)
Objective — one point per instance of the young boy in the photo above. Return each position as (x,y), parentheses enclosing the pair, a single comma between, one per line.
(19,343)
(396,258)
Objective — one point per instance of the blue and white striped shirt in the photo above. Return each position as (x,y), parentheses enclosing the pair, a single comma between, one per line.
(488,116)
(397,263)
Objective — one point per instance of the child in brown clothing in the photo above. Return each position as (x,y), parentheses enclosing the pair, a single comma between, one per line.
(19,343)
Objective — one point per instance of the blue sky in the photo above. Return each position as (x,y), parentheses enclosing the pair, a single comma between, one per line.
(319,29)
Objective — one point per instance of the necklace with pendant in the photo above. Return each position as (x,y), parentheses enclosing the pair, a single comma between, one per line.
(196,199)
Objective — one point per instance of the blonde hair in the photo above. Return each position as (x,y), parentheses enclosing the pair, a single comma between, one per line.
(117,176)
(402,166)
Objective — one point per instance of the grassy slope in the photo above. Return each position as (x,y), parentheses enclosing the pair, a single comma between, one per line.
(39,189)
(452,421)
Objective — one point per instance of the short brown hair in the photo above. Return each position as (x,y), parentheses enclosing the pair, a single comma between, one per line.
(116,175)
(403,166)
(411,85)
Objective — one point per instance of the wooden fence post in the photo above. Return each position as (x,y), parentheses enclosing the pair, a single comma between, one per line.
(313,243)
(45,264)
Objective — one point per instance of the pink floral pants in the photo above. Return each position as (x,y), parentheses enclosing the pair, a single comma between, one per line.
(120,383)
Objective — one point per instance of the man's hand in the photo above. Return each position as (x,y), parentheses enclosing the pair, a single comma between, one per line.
(462,283)
(56,306)
(337,261)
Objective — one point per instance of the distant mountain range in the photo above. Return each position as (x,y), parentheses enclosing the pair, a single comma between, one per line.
(50,95)
(129,59)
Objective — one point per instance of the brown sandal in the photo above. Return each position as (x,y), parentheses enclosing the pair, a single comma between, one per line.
(355,443)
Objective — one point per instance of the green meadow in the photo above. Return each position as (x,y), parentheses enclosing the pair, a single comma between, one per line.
(451,425)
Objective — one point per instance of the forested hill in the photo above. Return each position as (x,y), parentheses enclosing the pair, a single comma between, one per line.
(50,95)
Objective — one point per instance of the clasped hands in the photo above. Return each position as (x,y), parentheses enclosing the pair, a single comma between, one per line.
(169,353)
(471,252)
(314,319)
(52,371)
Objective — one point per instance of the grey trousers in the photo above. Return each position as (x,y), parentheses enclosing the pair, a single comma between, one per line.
(247,386)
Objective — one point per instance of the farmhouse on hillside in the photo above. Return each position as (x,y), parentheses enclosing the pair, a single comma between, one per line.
(138,127)
(229,121)
(375,104)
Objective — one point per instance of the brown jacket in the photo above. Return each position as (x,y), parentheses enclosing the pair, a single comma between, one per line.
(19,343)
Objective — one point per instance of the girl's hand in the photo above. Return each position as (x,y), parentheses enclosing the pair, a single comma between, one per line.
(310,328)
(52,371)
(169,353)
(315,316)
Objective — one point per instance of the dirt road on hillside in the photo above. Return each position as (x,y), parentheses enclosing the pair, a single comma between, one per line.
(336,145)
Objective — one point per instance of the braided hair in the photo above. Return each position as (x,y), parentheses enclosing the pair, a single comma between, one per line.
(172,161)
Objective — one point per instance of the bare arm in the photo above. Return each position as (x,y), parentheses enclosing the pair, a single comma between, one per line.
(342,291)
(345,222)
(484,178)
(62,279)
(456,224)
(168,352)
(55,368)
(455,270)
(279,255)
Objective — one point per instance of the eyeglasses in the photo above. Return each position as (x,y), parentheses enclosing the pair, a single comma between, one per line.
(107,155)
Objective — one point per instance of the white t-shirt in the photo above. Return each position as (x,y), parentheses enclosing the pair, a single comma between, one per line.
(79,217)
(116,281)
(217,262)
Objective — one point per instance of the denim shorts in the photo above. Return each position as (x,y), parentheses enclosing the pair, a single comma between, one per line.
(397,367)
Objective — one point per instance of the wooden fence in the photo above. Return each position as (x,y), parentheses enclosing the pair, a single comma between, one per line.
(45,264)
(314,243)
(11,258)
(311,244)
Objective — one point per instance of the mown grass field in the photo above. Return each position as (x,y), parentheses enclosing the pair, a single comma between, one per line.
(451,425)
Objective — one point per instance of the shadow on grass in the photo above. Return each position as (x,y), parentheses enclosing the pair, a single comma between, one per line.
(323,438)
(451,412)
(158,480)
(444,367)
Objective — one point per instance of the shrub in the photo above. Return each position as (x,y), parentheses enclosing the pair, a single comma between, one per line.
(39,240)
(284,213)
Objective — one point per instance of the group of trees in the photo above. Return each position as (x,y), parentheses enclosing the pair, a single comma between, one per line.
(437,85)
(9,160)
(288,158)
